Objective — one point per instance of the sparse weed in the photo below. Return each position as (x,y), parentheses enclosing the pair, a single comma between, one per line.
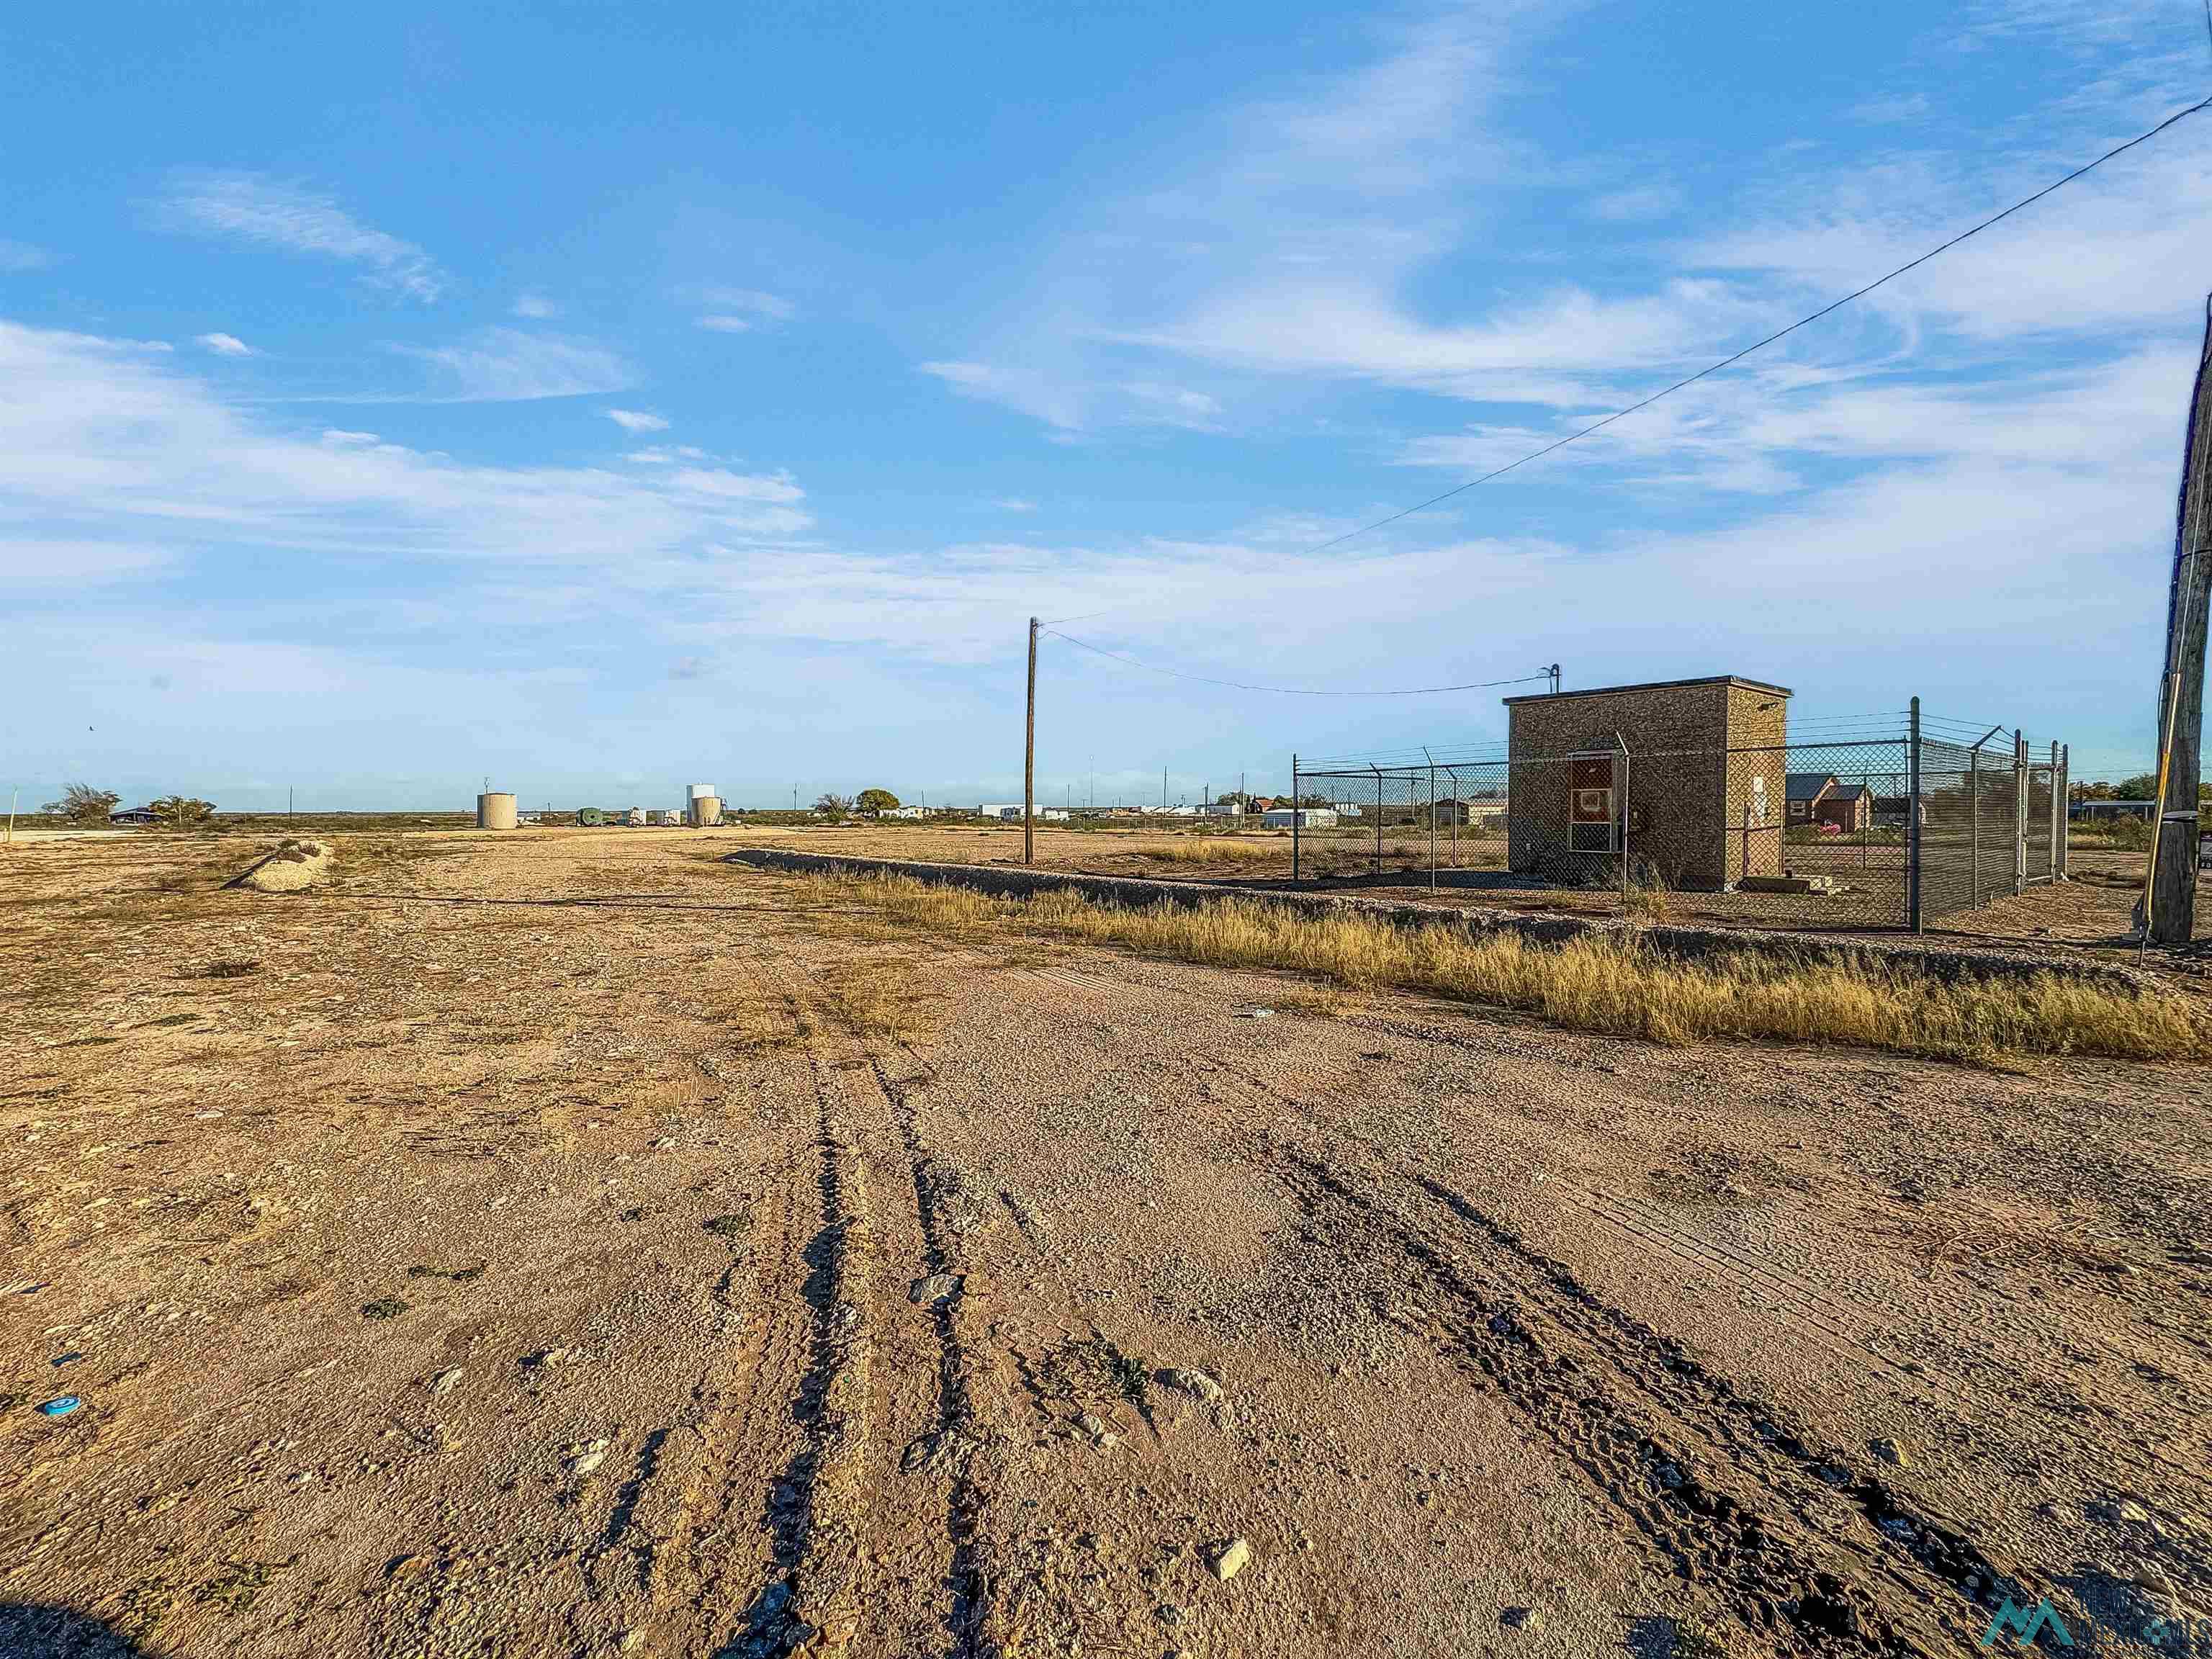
(882,998)
(1209,851)
(1599,982)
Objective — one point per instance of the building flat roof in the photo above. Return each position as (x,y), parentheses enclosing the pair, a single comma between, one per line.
(1650,686)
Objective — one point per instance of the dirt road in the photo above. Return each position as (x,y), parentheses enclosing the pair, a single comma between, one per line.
(570,1244)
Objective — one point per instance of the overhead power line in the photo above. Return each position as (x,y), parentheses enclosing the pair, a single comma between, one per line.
(1760,345)
(1288,690)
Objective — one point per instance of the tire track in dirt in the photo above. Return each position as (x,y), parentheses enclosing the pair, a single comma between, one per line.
(944,1210)
(1524,1323)
(1792,1299)
(1777,1576)
(815,1511)
(1665,1465)
(670,1542)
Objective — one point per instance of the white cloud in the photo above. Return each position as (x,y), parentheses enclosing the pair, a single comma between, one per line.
(636,420)
(258,209)
(535,307)
(751,300)
(130,454)
(504,365)
(1014,504)
(739,310)
(22,256)
(225,345)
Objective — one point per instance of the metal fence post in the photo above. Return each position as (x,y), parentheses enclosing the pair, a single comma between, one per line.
(1294,816)
(1913,824)
(2018,813)
(2058,814)
(1433,826)
(1974,818)
(1623,742)
(2062,786)
(1378,818)
(1459,801)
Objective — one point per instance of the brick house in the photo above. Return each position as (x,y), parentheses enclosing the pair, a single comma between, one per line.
(1848,806)
(1705,793)
(1806,790)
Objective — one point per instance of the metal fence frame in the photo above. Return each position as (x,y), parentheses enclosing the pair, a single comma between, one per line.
(1964,823)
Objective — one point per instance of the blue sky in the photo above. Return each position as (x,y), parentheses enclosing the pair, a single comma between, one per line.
(604,398)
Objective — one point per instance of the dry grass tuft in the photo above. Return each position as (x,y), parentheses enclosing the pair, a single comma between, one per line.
(1214,850)
(1648,900)
(882,999)
(1599,982)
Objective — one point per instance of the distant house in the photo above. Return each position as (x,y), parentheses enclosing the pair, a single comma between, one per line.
(904,812)
(1304,818)
(1804,791)
(1485,812)
(1226,809)
(999,809)
(1848,806)
(132,817)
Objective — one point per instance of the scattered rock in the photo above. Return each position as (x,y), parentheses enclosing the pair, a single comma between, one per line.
(444,1382)
(1528,1619)
(549,1357)
(937,1287)
(1253,1014)
(587,1455)
(1890,1453)
(667,1142)
(1228,1559)
(1196,1384)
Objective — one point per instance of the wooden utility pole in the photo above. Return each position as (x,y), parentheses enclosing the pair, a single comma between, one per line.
(1028,760)
(2171,881)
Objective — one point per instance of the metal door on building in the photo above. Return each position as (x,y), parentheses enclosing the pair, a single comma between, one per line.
(1593,817)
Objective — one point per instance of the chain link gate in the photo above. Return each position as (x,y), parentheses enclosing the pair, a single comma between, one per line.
(1848,834)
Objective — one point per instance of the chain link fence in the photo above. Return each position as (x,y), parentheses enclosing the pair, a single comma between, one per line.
(1880,832)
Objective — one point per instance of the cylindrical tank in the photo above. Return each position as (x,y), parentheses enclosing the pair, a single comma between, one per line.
(703,791)
(705,810)
(495,811)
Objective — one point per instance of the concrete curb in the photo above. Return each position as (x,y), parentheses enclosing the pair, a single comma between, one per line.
(1948,964)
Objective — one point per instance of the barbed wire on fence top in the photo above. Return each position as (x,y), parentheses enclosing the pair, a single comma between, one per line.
(1881,727)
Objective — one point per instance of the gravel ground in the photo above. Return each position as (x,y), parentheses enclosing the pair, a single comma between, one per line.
(566,1243)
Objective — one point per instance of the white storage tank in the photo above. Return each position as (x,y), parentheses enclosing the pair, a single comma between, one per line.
(496,809)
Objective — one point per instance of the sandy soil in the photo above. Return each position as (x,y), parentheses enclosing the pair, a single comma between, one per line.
(570,1244)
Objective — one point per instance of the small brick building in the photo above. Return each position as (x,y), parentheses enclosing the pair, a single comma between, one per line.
(1705,793)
